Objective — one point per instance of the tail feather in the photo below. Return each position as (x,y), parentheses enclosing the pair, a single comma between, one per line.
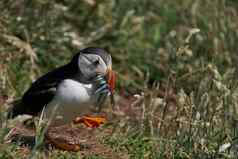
(16,109)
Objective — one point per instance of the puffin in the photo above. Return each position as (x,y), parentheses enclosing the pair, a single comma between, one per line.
(77,88)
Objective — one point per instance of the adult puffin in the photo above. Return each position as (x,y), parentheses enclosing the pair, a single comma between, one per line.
(70,90)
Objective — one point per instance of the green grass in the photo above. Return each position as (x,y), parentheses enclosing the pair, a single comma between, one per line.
(147,40)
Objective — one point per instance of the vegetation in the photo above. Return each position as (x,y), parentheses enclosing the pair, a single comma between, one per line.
(180,57)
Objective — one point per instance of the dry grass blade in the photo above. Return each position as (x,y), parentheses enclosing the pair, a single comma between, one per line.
(22,45)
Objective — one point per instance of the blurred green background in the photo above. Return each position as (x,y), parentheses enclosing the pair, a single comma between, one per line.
(143,36)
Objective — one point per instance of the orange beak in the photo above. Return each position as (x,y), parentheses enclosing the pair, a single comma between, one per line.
(111,79)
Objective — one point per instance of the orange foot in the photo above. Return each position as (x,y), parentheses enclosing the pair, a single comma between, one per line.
(91,122)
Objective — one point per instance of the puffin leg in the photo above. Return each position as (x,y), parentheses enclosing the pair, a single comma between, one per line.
(90,121)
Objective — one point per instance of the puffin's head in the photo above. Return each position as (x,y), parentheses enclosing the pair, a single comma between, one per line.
(95,61)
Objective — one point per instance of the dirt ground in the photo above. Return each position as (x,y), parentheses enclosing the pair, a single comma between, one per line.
(77,137)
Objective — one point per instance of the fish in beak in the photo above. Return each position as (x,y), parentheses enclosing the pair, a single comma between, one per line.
(105,87)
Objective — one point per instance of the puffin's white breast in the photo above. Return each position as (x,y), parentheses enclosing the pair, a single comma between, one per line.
(73,93)
(72,99)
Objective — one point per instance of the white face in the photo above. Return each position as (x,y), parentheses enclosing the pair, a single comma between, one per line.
(91,65)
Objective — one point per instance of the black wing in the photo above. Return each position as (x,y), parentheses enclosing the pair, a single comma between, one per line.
(42,91)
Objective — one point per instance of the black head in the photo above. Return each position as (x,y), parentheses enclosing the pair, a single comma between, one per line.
(92,61)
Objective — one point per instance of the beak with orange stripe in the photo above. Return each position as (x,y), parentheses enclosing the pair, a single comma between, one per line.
(111,80)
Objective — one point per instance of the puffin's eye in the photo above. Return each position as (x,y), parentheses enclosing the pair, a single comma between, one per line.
(96,62)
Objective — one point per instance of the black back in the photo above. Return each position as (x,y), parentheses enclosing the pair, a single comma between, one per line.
(43,89)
